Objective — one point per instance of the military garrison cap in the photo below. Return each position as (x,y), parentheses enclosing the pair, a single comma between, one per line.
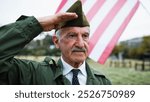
(81,21)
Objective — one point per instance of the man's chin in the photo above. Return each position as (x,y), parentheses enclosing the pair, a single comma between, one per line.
(78,57)
(79,53)
(79,60)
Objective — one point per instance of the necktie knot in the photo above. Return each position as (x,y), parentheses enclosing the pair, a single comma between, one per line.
(75,72)
(75,76)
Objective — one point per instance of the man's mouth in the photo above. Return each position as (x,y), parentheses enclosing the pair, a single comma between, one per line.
(78,49)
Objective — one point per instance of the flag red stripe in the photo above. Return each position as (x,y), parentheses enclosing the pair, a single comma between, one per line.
(101,28)
(94,9)
(115,38)
(63,2)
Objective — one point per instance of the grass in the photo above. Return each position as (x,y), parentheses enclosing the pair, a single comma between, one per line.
(118,75)
(123,76)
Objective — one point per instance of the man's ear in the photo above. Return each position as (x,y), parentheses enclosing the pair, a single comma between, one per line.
(55,41)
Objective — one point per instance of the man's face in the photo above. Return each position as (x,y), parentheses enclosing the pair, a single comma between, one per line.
(73,43)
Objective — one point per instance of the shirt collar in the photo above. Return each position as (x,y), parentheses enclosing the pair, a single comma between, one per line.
(67,68)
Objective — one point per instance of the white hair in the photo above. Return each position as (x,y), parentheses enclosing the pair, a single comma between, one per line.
(58,33)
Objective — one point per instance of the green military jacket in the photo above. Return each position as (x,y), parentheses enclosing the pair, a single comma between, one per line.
(13,38)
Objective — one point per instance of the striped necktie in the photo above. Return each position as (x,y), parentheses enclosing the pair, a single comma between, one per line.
(75,80)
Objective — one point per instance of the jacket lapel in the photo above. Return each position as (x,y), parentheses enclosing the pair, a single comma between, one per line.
(58,76)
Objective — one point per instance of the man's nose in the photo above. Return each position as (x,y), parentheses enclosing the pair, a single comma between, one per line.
(80,42)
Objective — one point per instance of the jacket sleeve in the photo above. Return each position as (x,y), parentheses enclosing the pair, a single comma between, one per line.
(13,37)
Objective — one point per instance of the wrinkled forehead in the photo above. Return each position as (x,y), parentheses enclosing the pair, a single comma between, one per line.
(66,30)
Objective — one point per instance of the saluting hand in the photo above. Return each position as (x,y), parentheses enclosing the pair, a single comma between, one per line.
(51,22)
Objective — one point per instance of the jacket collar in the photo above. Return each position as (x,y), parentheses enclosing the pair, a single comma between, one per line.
(59,70)
(58,76)
(91,79)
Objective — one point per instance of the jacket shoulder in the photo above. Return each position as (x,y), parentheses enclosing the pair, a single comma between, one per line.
(101,77)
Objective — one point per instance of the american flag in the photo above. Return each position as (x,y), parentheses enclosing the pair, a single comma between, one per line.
(108,19)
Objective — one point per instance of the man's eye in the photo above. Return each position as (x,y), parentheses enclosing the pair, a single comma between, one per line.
(85,36)
(72,35)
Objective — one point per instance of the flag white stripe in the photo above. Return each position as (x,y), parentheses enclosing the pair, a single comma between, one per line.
(111,30)
(88,5)
(101,14)
(67,5)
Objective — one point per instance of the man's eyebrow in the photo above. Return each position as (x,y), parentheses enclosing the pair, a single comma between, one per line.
(71,32)
(86,33)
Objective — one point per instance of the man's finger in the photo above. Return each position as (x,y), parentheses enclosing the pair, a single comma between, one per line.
(66,16)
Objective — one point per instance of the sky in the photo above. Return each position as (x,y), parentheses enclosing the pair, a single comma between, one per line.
(10,10)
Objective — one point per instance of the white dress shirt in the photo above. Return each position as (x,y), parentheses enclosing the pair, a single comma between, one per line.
(82,75)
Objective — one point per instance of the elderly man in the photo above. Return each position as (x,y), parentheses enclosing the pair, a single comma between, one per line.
(72,36)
